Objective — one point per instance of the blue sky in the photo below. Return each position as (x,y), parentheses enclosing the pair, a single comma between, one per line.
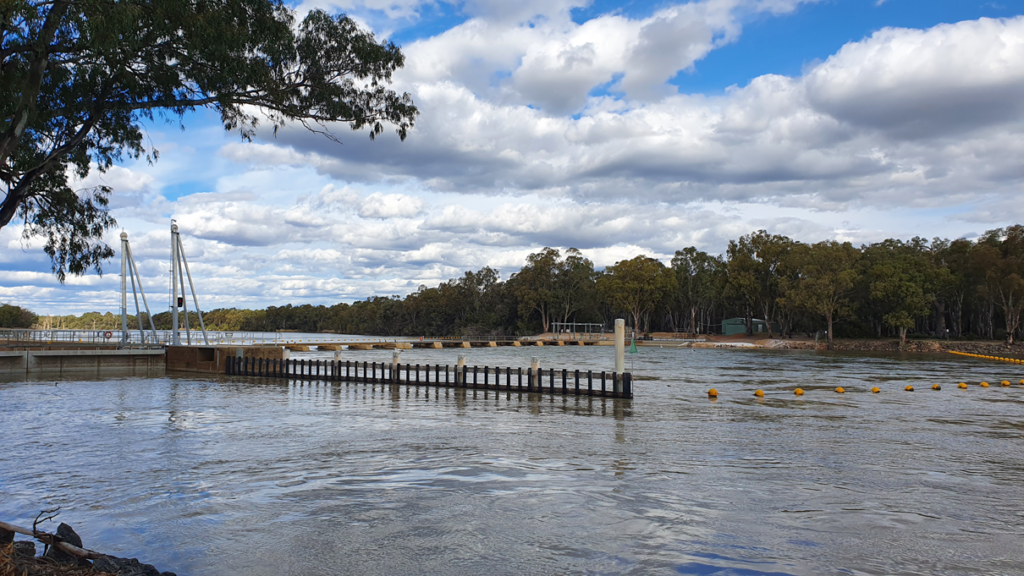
(618,128)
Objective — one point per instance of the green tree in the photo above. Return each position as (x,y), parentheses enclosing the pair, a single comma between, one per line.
(698,288)
(902,282)
(535,285)
(77,79)
(16,317)
(828,274)
(574,283)
(754,262)
(1003,275)
(636,286)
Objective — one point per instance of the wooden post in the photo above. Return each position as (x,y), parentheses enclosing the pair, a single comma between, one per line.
(447,376)
(464,379)
(348,369)
(627,385)
(417,374)
(460,379)
(520,378)
(564,389)
(577,382)
(365,367)
(535,375)
(603,389)
(508,377)
(551,380)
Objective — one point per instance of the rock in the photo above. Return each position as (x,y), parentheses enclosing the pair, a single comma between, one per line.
(67,534)
(127,567)
(24,549)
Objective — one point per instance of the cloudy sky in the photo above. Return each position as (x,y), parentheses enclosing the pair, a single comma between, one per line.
(616,127)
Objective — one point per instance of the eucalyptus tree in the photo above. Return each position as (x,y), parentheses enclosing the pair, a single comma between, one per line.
(753,264)
(901,281)
(637,286)
(79,78)
(698,286)
(827,277)
(1004,273)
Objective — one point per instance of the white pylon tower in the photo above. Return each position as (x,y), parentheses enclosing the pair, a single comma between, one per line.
(130,272)
(179,262)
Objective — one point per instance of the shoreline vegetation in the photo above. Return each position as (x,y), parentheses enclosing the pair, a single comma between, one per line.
(772,286)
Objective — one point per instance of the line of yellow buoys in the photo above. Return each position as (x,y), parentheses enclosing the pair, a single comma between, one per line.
(986,357)
(713,393)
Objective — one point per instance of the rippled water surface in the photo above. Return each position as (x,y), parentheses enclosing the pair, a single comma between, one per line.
(234,475)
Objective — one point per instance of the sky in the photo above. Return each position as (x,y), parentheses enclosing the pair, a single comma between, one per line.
(615,127)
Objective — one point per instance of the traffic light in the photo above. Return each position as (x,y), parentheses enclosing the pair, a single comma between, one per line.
(181,301)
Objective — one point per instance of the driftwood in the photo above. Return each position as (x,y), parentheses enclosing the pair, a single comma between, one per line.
(52,540)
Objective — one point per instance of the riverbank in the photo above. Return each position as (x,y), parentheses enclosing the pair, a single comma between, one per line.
(986,347)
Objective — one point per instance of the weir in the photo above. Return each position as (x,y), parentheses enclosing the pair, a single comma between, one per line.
(507,379)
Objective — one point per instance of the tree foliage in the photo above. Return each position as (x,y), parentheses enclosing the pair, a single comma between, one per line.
(79,78)
(894,288)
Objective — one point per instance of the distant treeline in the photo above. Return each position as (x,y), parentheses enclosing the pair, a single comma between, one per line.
(960,288)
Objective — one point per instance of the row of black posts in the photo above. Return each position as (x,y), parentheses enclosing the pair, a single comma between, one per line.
(583,384)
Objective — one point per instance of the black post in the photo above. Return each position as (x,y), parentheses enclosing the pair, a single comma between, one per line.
(437,374)
(627,385)
(551,381)
(374,372)
(447,375)
(417,374)
(348,369)
(520,369)
(603,389)
(487,370)
(474,376)
(564,389)
(465,369)
(508,377)
(577,382)
(365,367)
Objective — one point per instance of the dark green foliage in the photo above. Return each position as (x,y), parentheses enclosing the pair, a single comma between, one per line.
(16,317)
(78,78)
(893,288)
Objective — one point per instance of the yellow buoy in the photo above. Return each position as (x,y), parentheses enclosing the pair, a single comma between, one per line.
(1021,382)
(800,391)
(759,393)
(1005,382)
(984,384)
(962,385)
(936,387)
(840,390)
(713,393)
(908,388)
(874,390)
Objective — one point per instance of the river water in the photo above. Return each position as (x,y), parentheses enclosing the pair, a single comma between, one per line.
(232,475)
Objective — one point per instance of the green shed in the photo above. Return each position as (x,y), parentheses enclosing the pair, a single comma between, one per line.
(733,326)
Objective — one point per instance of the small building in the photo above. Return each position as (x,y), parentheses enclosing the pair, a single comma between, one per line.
(733,326)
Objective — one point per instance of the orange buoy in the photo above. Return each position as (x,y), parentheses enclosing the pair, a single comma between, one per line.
(908,388)
(713,393)
(1005,382)
(983,384)
(875,390)
(759,393)
(799,391)
(840,390)
(936,387)
(962,385)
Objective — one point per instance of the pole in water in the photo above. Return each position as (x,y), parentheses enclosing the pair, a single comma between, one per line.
(175,337)
(458,371)
(620,353)
(124,288)
(535,372)
(396,358)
